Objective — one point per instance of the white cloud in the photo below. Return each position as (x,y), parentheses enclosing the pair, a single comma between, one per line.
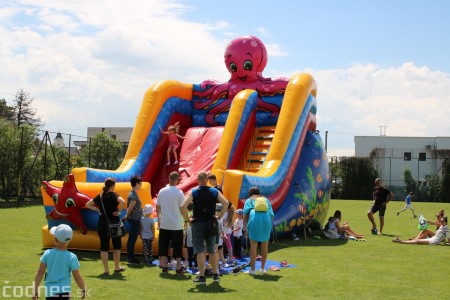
(89,63)
(275,50)
(409,100)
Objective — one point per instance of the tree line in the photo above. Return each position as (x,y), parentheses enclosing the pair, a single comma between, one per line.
(353,178)
(28,157)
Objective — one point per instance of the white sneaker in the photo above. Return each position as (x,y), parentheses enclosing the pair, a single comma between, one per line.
(168,163)
(262,271)
(251,272)
(225,265)
(175,162)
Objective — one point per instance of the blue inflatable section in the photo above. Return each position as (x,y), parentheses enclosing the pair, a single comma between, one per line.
(268,185)
(309,191)
(171,106)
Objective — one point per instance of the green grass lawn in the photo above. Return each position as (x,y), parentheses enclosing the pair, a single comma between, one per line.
(325,269)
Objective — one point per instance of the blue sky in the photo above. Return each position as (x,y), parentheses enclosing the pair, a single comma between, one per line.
(377,63)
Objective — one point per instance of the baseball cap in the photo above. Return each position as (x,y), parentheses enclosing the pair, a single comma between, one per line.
(148,209)
(63,232)
(240,211)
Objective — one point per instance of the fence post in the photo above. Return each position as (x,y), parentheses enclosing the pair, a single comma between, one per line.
(89,155)
(69,163)
(19,168)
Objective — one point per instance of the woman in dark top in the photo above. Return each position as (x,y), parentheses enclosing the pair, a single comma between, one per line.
(109,203)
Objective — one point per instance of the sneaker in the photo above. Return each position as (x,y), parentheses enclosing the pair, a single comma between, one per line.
(175,162)
(168,163)
(251,272)
(182,270)
(262,271)
(398,213)
(216,277)
(200,280)
(225,265)
(134,261)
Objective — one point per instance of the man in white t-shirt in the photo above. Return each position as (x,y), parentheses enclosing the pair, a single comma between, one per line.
(170,222)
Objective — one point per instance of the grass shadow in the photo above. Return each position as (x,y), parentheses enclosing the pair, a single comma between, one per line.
(213,288)
(136,266)
(267,277)
(175,276)
(306,243)
(112,276)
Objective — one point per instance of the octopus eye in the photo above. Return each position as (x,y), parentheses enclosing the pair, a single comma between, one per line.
(55,198)
(70,202)
(233,67)
(248,65)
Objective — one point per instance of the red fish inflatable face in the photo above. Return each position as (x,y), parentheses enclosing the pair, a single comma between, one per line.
(68,202)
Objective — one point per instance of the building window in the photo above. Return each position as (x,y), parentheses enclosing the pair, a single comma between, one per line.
(422,156)
(113,136)
(407,156)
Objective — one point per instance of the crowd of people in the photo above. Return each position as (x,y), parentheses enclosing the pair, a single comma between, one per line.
(196,230)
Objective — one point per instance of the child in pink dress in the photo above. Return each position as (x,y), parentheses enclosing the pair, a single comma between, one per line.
(173,141)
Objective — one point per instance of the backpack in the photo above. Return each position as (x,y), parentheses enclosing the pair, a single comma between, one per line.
(260,204)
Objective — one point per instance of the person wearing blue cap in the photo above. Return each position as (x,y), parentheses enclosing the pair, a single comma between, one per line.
(59,263)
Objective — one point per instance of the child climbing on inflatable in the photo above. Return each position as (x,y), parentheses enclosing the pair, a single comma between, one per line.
(173,141)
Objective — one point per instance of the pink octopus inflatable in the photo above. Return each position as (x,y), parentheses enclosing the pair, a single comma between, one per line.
(245,58)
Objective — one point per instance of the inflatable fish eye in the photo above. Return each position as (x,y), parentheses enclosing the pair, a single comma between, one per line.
(55,198)
(233,67)
(70,202)
(248,65)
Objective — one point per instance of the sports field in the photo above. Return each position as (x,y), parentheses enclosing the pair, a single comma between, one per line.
(325,269)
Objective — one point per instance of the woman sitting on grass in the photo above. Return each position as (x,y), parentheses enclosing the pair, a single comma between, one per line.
(425,233)
(334,230)
(430,238)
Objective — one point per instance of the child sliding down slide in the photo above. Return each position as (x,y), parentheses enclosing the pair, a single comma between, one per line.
(173,141)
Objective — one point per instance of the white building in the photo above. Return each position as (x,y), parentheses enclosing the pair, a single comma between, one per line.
(121,134)
(393,154)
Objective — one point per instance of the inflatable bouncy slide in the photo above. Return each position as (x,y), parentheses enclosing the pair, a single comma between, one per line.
(248,131)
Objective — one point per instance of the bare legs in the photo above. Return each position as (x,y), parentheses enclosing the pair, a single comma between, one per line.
(264,254)
(404,208)
(415,241)
(424,234)
(253,250)
(349,231)
(374,225)
(116,256)
(381,225)
(201,263)
(104,258)
(172,149)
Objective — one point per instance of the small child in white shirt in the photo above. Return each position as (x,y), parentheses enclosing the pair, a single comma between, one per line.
(237,232)
(147,233)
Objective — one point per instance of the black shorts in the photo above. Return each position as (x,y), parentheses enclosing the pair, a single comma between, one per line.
(169,238)
(378,207)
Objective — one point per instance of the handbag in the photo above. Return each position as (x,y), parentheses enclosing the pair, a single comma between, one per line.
(212,227)
(115,230)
